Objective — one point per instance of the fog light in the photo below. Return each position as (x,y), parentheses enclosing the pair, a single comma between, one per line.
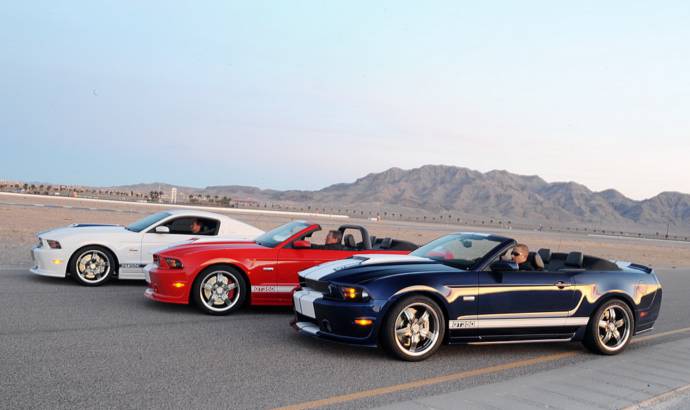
(363,322)
(57,261)
(178,285)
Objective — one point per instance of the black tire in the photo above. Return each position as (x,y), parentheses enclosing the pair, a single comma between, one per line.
(397,321)
(209,299)
(602,329)
(92,265)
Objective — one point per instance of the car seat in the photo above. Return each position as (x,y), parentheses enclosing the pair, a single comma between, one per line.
(536,260)
(574,260)
(545,255)
(349,241)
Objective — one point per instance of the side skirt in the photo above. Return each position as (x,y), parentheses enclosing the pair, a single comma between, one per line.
(503,342)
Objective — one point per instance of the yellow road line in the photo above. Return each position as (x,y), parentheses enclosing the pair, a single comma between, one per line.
(658,399)
(364,394)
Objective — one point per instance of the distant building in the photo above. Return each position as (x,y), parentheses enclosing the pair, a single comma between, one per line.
(173,196)
(245,203)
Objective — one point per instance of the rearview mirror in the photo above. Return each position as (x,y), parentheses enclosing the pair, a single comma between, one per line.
(504,266)
(162,229)
(302,244)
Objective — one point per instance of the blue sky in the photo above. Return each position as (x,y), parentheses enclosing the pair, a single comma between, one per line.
(305,94)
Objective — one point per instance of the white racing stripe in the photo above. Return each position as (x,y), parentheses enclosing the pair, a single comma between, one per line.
(304,302)
(273,289)
(518,322)
(319,271)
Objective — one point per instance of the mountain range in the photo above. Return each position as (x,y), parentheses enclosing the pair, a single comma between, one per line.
(468,194)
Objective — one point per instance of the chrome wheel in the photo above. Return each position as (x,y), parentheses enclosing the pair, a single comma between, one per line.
(614,327)
(93,266)
(417,329)
(219,291)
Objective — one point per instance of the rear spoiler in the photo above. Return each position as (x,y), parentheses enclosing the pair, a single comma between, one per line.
(629,265)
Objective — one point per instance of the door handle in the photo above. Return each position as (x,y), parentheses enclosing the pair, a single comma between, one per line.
(562,285)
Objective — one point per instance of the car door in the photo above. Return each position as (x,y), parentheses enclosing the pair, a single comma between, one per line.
(462,310)
(178,232)
(524,304)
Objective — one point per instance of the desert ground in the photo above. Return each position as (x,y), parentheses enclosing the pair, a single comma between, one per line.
(68,346)
(21,217)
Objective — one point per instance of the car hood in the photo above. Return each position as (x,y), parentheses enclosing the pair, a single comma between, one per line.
(207,240)
(223,246)
(346,268)
(81,229)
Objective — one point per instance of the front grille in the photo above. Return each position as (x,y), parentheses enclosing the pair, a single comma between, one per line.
(314,284)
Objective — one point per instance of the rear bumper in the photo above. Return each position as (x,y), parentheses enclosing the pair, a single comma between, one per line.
(335,320)
(167,286)
(49,262)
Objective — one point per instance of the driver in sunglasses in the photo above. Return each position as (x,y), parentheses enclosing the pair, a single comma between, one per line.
(520,255)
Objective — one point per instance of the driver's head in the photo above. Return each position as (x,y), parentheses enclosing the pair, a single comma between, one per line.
(333,237)
(196,226)
(520,253)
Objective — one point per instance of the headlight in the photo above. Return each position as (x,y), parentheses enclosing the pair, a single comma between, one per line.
(173,263)
(351,293)
(53,244)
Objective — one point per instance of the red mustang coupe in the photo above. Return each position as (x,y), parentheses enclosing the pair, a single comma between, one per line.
(221,276)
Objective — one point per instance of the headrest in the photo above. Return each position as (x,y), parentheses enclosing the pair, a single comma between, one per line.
(574,260)
(386,243)
(545,254)
(349,241)
(536,261)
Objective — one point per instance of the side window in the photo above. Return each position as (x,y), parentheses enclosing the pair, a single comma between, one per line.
(193,226)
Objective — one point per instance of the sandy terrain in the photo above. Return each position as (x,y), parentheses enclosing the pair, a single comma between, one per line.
(20,220)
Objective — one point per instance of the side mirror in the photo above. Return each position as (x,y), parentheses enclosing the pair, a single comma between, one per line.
(302,244)
(162,229)
(504,266)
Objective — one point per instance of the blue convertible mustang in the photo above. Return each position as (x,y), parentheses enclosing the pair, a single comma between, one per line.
(462,288)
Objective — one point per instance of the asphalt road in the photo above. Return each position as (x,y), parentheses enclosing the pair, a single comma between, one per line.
(67,346)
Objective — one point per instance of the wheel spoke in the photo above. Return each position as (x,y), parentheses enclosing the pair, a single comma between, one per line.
(620,323)
(425,317)
(603,324)
(413,343)
(409,314)
(612,314)
(616,335)
(405,331)
(607,337)
(219,278)
(231,286)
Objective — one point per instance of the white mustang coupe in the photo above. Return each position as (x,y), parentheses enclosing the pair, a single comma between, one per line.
(93,253)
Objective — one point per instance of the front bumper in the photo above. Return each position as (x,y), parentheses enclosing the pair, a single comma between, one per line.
(334,320)
(166,285)
(49,262)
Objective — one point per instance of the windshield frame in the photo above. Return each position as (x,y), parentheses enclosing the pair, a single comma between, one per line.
(152,219)
(267,238)
(500,243)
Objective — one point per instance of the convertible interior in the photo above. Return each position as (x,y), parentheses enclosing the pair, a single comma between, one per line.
(357,238)
(545,260)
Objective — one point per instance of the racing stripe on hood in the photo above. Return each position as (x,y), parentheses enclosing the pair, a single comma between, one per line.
(319,271)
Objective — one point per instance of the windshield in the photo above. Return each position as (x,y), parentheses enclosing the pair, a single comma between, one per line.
(460,250)
(274,237)
(142,224)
